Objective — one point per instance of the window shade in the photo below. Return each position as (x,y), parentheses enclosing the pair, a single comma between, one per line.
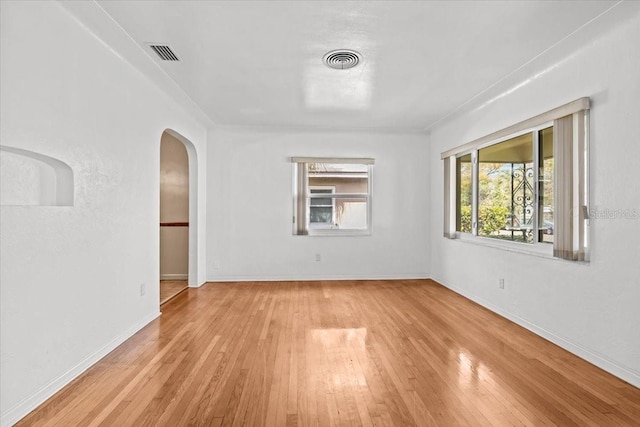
(570,189)
(449,198)
(301,193)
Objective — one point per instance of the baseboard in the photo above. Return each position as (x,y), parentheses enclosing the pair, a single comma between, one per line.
(312,277)
(591,356)
(15,414)
(174,276)
(197,285)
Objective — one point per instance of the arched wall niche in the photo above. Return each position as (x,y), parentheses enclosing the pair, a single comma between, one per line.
(28,178)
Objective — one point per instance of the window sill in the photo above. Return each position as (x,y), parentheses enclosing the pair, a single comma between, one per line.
(338,233)
(539,250)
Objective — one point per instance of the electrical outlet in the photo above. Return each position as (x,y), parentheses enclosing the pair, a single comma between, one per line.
(501,283)
(143,289)
(318,258)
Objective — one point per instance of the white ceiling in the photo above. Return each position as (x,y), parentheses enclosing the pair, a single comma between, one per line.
(247,63)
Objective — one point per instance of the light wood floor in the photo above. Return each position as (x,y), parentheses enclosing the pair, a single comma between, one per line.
(337,353)
(171,288)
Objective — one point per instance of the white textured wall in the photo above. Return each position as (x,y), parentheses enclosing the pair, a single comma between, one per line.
(250,207)
(25,181)
(593,309)
(70,276)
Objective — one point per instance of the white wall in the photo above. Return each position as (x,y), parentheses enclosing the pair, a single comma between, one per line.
(592,310)
(26,181)
(71,276)
(250,207)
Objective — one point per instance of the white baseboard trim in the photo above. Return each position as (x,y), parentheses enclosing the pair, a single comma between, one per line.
(197,284)
(313,277)
(19,411)
(174,276)
(591,356)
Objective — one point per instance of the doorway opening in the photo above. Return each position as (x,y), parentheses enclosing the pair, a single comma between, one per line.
(177,213)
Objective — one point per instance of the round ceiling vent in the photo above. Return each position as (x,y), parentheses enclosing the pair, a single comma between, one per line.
(342,59)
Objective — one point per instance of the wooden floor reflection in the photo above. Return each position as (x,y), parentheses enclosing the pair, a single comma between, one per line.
(405,352)
(171,288)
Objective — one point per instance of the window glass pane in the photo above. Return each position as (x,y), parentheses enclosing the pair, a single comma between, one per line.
(463,193)
(545,184)
(338,212)
(321,215)
(345,178)
(321,211)
(321,201)
(505,190)
(351,214)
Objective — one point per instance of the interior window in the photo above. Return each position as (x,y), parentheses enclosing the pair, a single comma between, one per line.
(332,196)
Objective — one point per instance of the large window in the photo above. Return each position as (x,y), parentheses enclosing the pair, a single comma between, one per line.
(332,196)
(526,184)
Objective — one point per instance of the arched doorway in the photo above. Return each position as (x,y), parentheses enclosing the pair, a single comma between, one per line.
(178,214)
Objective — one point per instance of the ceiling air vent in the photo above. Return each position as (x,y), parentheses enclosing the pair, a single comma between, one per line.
(164,52)
(342,59)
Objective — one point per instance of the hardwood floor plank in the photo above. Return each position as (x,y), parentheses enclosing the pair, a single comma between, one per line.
(337,353)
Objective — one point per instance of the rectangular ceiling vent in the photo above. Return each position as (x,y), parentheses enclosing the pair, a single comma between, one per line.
(164,52)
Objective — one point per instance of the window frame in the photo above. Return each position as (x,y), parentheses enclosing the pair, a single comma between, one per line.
(536,246)
(301,192)
(333,202)
(577,112)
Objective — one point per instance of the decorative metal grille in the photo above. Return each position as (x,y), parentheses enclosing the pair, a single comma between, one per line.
(522,206)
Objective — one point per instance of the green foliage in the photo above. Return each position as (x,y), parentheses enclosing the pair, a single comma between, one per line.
(494,184)
(490,219)
(495,201)
(465,219)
